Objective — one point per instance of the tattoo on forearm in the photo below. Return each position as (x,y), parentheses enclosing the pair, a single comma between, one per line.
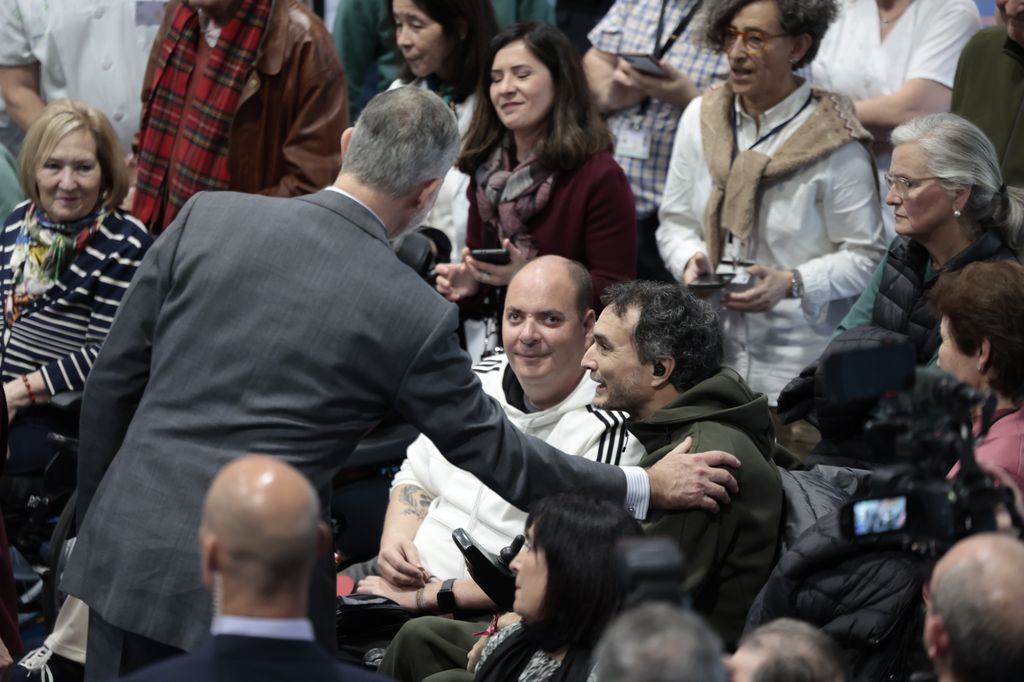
(415,501)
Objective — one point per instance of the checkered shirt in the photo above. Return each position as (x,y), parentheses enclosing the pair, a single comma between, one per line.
(632,26)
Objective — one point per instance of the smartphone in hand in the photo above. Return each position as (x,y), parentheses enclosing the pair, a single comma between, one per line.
(492,256)
(644,62)
(710,281)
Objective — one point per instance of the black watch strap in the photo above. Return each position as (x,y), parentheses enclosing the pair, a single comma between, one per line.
(446,597)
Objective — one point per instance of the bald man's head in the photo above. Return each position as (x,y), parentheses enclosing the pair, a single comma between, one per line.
(573,277)
(261,526)
(975,627)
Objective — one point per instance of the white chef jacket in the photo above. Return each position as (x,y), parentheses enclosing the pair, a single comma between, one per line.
(93,50)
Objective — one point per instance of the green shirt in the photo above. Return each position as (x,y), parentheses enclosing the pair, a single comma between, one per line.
(989,92)
(10,191)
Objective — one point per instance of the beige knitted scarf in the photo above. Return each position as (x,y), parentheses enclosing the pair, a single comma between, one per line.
(732,205)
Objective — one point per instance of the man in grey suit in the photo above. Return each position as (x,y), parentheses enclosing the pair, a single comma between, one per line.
(288,326)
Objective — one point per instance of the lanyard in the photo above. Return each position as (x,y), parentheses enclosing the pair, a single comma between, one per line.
(771,133)
(660,52)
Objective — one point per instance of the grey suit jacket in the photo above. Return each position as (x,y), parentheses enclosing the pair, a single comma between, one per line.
(281,326)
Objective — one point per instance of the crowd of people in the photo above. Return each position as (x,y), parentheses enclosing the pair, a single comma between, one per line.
(653,223)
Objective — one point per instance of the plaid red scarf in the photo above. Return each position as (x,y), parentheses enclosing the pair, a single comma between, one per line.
(203,161)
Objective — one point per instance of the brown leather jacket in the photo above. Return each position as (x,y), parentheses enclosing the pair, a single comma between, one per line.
(285,140)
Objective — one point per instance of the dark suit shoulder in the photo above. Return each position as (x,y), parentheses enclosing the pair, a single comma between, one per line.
(230,658)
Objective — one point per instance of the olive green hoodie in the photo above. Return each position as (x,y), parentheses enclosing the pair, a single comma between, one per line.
(729,553)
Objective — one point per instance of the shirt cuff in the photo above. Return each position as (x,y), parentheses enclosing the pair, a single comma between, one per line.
(638,492)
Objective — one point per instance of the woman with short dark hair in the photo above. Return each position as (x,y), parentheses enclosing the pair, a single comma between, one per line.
(566,592)
(982,324)
(543,177)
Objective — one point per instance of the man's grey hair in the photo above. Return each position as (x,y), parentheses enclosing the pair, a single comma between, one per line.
(980,607)
(658,642)
(403,138)
(796,17)
(798,652)
(671,323)
(960,155)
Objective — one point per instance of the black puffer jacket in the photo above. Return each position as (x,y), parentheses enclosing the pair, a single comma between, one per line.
(902,301)
(866,595)
(901,313)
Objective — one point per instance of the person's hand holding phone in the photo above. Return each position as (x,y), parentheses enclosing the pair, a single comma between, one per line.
(697,269)
(674,87)
(771,287)
(492,274)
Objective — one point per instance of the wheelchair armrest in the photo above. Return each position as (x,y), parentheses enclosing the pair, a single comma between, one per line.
(69,401)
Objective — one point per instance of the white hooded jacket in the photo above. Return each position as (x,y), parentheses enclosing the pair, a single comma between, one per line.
(461,501)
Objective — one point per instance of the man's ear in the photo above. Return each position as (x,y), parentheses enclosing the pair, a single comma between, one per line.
(661,371)
(589,320)
(936,641)
(426,193)
(346,138)
(209,561)
(802,44)
(323,538)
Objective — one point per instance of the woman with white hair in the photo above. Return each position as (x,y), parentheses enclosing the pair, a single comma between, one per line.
(952,208)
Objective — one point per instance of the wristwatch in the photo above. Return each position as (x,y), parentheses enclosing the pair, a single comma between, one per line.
(446,597)
(796,290)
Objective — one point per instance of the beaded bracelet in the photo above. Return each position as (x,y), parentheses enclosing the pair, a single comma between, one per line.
(28,389)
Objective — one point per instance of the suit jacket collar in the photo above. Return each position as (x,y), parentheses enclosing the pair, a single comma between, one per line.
(350,210)
(240,646)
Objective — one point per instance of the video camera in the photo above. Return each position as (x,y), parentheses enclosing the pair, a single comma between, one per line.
(924,425)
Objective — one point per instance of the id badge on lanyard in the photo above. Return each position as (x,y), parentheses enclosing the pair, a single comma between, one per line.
(633,142)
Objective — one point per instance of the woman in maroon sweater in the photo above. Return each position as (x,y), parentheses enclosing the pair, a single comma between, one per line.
(543,177)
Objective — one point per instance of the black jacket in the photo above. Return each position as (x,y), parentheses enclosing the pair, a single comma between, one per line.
(865,595)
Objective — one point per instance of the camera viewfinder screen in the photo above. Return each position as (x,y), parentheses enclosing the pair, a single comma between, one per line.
(880,515)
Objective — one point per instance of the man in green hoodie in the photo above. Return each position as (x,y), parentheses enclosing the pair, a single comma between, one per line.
(657,355)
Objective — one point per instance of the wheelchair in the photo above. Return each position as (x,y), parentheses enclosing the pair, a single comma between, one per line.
(41,522)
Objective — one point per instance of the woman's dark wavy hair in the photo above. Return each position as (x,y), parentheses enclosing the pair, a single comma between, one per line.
(796,17)
(479,26)
(577,536)
(574,131)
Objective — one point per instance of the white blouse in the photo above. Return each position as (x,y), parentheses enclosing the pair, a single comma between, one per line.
(925,42)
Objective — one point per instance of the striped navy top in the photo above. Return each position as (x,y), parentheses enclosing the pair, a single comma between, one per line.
(60,331)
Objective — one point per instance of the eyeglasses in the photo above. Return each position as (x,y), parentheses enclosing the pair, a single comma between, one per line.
(902,185)
(754,40)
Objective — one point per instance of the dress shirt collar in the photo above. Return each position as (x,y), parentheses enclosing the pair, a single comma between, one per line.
(781,112)
(342,192)
(300,629)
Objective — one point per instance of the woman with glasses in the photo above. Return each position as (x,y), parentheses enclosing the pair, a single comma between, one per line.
(771,181)
(443,44)
(951,209)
